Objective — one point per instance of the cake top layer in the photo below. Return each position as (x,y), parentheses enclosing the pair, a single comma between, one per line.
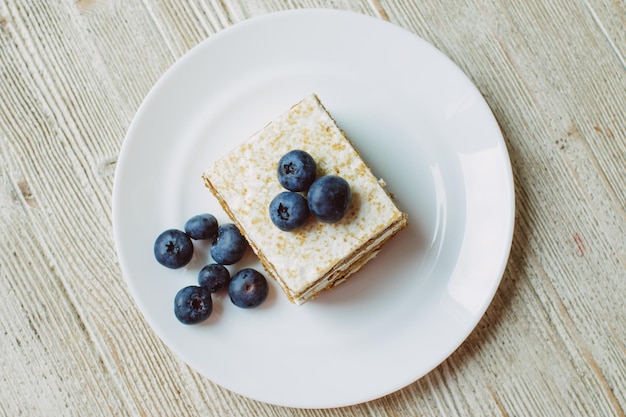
(246,181)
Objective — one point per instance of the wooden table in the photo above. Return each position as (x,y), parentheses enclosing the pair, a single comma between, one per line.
(72,75)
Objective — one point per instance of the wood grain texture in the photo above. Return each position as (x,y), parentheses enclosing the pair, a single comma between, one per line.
(72,75)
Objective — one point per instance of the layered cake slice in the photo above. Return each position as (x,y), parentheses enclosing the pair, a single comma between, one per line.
(318,255)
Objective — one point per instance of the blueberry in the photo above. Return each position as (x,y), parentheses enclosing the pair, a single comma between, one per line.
(193,304)
(248,288)
(229,245)
(296,170)
(214,277)
(173,248)
(289,211)
(201,226)
(329,198)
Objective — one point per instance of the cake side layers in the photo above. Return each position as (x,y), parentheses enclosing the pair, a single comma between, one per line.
(345,269)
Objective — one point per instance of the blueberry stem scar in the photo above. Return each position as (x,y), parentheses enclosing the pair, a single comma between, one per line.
(283,212)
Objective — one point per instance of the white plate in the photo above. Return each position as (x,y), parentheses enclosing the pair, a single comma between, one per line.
(417,121)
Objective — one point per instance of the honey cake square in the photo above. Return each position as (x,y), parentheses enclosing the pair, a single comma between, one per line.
(319,255)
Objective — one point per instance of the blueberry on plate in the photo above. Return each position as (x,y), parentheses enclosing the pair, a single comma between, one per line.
(214,277)
(248,288)
(193,305)
(201,226)
(296,170)
(289,211)
(329,198)
(229,245)
(173,248)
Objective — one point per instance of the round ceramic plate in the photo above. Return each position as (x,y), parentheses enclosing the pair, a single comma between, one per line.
(417,121)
